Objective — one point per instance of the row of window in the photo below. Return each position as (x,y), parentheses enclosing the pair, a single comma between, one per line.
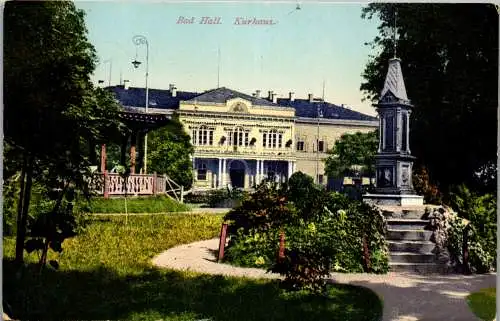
(272,139)
(202,136)
(320,144)
(240,137)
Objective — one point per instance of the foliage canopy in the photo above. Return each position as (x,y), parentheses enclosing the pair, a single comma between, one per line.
(54,117)
(450,61)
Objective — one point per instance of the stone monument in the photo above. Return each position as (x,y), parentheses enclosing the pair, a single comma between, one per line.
(393,162)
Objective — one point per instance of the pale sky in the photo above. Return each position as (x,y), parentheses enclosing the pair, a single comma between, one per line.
(320,42)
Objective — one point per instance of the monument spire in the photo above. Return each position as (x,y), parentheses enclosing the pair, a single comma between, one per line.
(394,162)
(394,82)
(395,32)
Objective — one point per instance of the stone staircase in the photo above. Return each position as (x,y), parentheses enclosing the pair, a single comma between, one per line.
(410,241)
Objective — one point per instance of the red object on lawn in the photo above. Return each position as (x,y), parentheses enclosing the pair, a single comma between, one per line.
(281,254)
(222,241)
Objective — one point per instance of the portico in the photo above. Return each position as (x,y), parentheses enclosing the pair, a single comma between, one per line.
(242,173)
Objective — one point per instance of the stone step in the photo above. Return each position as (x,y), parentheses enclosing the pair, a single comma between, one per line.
(410,257)
(407,224)
(408,235)
(411,246)
(421,268)
(407,212)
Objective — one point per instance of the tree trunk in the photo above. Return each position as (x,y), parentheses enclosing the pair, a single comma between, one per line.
(20,229)
(22,217)
(43,259)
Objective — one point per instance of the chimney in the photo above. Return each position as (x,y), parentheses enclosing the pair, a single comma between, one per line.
(270,95)
(173,91)
(126,84)
(292,96)
(170,87)
(275,98)
(257,93)
(311,99)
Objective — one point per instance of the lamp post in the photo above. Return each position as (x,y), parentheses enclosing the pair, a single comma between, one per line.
(319,115)
(141,40)
(109,75)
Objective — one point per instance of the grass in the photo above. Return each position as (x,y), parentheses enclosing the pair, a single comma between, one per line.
(149,204)
(105,273)
(483,303)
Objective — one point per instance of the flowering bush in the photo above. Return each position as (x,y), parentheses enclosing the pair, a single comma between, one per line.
(423,186)
(324,232)
(478,213)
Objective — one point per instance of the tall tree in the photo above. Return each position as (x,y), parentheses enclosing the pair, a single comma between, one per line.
(353,151)
(53,114)
(169,151)
(449,58)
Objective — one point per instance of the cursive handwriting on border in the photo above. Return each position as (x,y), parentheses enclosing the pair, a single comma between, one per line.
(239,21)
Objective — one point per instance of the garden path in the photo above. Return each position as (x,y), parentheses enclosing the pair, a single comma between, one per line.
(406,296)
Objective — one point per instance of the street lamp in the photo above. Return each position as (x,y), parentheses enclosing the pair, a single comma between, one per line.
(319,114)
(109,76)
(141,40)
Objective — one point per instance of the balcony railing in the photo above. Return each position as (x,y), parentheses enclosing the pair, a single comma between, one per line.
(112,184)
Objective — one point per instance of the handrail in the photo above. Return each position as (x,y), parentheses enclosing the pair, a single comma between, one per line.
(113,184)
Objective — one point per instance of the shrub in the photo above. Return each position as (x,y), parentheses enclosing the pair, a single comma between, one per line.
(423,186)
(226,197)
(267,208)
(323,233)
(480,211)
(253,249)
(196,198)
(307,260)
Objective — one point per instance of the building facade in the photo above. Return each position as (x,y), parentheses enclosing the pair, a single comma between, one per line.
(241,139)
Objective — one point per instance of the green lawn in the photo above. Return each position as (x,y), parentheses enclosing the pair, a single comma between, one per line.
(105,273)
(483,303)
(148,204)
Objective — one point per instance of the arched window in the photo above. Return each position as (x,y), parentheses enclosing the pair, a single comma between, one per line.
(202,136)
(238,137)
(272,139)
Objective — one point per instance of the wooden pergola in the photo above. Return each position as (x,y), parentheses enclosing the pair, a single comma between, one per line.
(112,184)
(139,124)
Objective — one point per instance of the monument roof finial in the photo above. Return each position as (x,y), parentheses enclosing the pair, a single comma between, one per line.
(395,32)
(394,81)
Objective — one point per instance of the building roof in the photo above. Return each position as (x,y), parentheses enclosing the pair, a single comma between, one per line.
(158,98)
(223,94)
(162,99)
(394,82)
(308,109)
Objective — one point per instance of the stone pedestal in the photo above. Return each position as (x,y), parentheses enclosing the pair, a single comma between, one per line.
(393,199)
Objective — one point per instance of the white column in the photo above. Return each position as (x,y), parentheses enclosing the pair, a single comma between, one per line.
(289,169)
(294,167)
(262,170)
(219,174)
(257,172)
(223,173)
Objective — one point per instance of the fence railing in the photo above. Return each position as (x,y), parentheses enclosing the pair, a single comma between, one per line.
(112,184)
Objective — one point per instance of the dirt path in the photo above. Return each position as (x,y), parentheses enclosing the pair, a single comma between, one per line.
(406,296)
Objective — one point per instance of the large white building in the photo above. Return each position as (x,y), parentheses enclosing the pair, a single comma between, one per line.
(240,139)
